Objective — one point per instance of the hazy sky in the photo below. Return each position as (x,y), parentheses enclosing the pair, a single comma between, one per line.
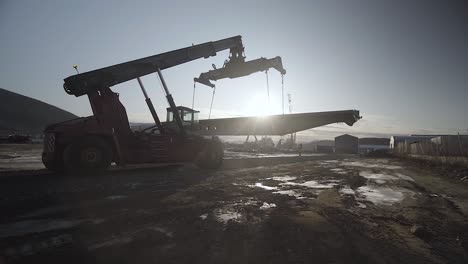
(403,64)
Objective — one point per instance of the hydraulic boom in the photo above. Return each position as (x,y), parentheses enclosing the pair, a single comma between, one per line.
(237,68)
(88,82)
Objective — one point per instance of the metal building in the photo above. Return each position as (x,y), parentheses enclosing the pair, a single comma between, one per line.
(346,144)
(395,140)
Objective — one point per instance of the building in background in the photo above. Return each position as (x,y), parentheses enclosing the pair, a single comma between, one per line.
(396,140)
(320,146)
(367,145)
(324,149)
(346,144)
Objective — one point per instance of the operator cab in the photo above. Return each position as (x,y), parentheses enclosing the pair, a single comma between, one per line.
(189,116)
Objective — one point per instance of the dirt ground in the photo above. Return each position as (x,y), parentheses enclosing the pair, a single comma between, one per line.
(320,209)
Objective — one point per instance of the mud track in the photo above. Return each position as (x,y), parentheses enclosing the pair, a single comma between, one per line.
(324,209)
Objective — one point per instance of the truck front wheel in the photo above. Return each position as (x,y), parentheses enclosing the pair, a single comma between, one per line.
(211,157)
(91,154)
(52,165)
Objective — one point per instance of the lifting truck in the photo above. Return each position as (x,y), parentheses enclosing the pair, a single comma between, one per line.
(92,143)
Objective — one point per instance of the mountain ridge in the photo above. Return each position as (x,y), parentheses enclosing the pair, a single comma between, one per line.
(23,114)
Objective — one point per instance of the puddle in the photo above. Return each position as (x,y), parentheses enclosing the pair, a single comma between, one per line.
(404,177)
(224,216)
(311,184)
(38,246)
(36,226)
(250,201)
(382,177)
(377,177)
(162,230)
(260,185)
(347,190)
(203,216)
(98,221)
(134,185)
(112,242)
(46,211)
(292,193)
(338,170)
(370,165)
(283,178)
(382,195)
(128,237)
(248,155)
(116,197)
(286,182)
(267,206)
(361,205)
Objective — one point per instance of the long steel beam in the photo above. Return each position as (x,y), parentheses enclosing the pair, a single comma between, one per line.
(274,124)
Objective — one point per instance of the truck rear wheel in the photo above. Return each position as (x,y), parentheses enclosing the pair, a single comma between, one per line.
(211,157)
(91,154)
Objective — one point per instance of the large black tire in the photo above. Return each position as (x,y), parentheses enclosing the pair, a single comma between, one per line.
(211,157)
(89,155)
(54,166)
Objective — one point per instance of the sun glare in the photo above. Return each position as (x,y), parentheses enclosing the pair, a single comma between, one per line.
(259,105)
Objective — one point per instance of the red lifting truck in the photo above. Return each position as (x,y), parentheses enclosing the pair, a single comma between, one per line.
(92,143)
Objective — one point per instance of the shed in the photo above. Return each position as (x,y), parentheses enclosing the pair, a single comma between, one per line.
(346,144)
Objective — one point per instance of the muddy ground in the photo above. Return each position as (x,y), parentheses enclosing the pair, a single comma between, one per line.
(320,209)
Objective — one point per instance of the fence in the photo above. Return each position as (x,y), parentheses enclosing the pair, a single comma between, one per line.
(453,146)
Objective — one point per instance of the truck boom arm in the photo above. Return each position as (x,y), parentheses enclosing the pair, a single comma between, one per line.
(235,69)
(92,81)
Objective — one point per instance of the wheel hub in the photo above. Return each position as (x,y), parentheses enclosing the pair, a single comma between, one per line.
(90,155)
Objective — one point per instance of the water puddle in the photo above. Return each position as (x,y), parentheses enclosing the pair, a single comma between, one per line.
(382,177)
(46,211)
(348,191)
(404,177)
(127,237)
(292,193)
(361,205)
(98,221)
(382,195)
(36,226)
(116,197)
(224,216)
(267,206)
(162,230)
(370,165)
(283,178)
(134,185)
(260,185)
(338,170)
(203,216)
(311,184)
(377,177)
(111,242)
(35,247)
(249,155)
(286,183)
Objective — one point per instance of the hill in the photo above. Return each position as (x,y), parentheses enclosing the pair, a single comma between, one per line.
(22,114)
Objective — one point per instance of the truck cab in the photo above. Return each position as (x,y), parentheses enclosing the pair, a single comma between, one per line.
(189,116)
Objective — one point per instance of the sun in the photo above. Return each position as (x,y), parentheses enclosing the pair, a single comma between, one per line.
(259,105)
